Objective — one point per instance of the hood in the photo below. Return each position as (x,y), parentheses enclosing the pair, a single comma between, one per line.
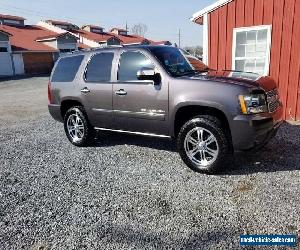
(241,78)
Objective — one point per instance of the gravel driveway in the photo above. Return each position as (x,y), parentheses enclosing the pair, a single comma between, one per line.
(130,192)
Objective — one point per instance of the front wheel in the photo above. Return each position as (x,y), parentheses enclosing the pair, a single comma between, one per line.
(77,127)
(203,145)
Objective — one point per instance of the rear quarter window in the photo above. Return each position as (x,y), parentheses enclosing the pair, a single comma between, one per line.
(66,69)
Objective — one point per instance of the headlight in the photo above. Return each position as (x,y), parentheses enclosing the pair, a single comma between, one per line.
(253,104)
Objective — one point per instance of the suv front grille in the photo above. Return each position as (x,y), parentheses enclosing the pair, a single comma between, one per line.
(273,100)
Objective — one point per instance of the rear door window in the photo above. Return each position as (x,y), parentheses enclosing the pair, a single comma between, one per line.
(67,68)
(99,68)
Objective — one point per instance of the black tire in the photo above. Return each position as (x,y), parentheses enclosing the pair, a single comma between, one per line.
(222,144)
(88,135)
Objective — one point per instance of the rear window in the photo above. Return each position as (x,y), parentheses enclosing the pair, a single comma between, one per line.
(66,69)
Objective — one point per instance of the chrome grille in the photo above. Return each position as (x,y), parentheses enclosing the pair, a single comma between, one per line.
(273,100)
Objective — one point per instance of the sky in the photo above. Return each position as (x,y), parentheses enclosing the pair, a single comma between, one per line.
(163,18)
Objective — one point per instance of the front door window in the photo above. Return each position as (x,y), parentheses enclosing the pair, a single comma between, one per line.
(130,64)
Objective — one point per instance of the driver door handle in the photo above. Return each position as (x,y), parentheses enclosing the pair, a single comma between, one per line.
(121,92)
(85,90)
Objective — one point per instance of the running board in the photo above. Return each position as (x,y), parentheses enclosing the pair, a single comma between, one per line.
(134,133)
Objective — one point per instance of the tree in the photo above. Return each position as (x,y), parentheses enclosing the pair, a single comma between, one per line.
(195,50)
(139,29)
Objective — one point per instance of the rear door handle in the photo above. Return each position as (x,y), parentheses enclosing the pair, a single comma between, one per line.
(85,90)
(121,92)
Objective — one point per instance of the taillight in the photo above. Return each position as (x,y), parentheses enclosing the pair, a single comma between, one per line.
(49,92)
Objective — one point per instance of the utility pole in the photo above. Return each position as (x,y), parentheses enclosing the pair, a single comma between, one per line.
(179,38)
(126,26)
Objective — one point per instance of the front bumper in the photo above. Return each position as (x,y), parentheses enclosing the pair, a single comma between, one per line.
(250,131)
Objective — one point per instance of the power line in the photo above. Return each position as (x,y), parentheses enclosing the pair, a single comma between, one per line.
(179,39)
(42,14)
(38,13)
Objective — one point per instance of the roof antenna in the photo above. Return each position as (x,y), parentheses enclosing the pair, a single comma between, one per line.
(126,26)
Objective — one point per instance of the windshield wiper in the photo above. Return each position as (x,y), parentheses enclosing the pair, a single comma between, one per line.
(196,72)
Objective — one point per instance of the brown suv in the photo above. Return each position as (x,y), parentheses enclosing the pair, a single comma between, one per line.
(156,91)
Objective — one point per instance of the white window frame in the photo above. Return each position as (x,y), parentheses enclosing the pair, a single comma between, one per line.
(122,33)
(269,43)
(67,46)
(95,30)
(62,26)
(6,44)
(10,21)
(205,38)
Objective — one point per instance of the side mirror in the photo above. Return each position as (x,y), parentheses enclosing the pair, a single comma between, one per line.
(148,74)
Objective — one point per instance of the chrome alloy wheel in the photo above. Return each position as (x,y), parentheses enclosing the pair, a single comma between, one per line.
(75,127)
(201,147)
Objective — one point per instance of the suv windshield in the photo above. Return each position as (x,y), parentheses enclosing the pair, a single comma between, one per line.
(173,61)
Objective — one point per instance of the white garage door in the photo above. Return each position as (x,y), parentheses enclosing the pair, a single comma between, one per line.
(5,60)
(18,63)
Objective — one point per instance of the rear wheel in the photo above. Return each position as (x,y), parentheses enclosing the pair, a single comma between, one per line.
(203,145)
(77,127)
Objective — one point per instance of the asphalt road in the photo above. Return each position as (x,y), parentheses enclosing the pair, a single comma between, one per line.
(130,192)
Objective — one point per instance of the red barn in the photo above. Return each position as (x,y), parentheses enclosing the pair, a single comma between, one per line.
(261,36)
